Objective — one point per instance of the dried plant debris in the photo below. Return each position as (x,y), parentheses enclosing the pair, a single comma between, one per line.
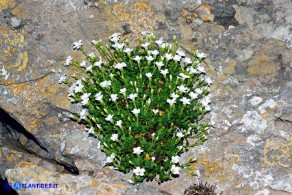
(201,189)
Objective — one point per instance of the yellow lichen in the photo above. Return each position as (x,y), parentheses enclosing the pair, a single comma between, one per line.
(4,4)
(230,67)
(262,65)
(13,53)
(32,95)
(278,153)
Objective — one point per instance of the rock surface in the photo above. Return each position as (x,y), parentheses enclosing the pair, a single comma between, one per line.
(248,43)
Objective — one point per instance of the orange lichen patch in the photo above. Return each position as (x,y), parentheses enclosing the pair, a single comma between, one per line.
(32,94)
(211,168)
(139,15)
(22,11)
(278,153)
(189,16)
(4,4)
(203,12)
(10,157)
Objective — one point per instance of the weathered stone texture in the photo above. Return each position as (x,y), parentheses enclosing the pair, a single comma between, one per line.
(248,43)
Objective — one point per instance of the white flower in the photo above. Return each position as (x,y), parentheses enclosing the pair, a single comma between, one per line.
(4,72)
(115,37)
(193,95)
(91,55)
(149,58)
(132,96)
(181,52)
(94,42)
(83,114)
(201,55)
(145,45)
(118,45)
(175,159)
(77,44)
(110,158)
(138,171)
(154,52)
(83,64)
(164,72)
(119,123)
(171,102)
(137,150)
(123,91)
(177,58)
(120,65)
(201,69)
(168,56)
(192,70)
(182,88)
(114,137)
(98,96)
(128,50)
(111,75)
(148,101)
(179,134)
(137,58)
(153,158)
(185,100)
(68,61)
(159,41)
(183,76)
(136,111)
(109,117)
(208,80)
(175,170)
(155,111)
(164,45)
(159,64)
(78,86)
(105,83)
(149,75)
(187,61)
(207,108)
(85,98)
(114,97)
(99,63)
(62,78)
(89,69)
(174,95)
(198,91)
(205,101)
(91,130)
